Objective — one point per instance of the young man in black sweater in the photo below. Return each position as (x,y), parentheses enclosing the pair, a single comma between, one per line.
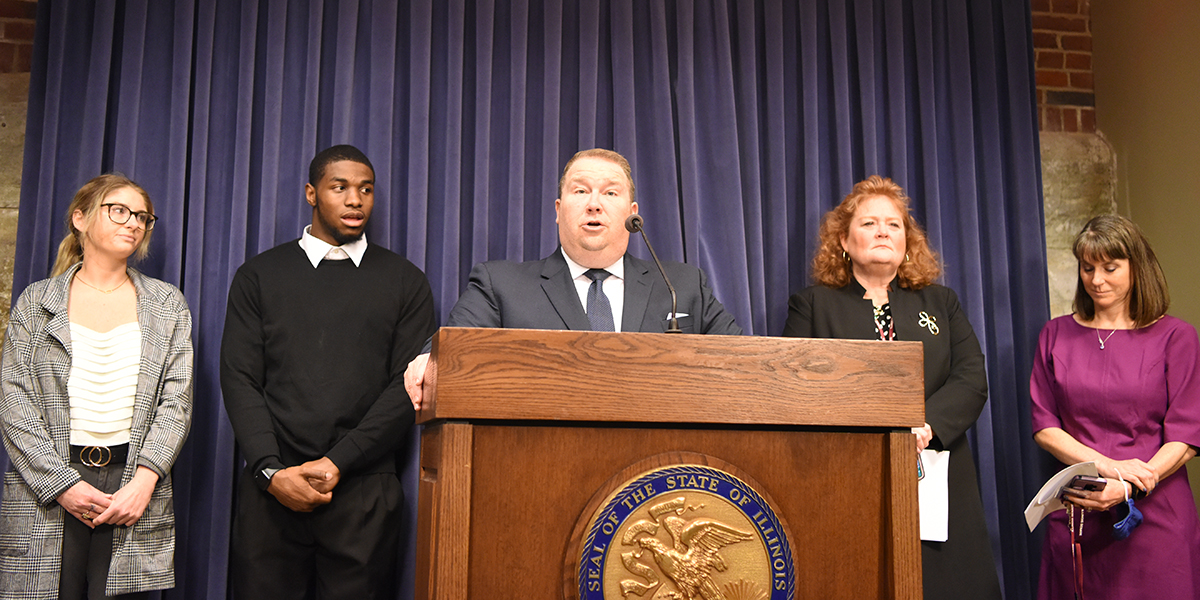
(318,332)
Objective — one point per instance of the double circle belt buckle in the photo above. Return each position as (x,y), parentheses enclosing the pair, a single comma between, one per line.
(95,456)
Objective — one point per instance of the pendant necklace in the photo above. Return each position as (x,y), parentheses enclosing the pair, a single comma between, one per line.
(1105,339)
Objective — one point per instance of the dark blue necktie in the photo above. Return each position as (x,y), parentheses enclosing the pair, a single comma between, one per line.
(598,309)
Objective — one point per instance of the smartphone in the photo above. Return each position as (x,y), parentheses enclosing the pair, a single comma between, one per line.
(1085,483)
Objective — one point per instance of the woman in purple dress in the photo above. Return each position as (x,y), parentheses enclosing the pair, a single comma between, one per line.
(1118,383)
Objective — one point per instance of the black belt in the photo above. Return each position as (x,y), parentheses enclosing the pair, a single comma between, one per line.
(100,456)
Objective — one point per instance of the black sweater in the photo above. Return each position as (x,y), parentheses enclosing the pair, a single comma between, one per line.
(312,360)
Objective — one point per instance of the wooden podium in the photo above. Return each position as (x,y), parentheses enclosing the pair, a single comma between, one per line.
(523,427)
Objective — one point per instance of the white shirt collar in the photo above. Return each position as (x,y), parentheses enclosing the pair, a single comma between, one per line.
(317,249)
(577,270)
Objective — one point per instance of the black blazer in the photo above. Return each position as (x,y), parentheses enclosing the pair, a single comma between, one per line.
(955,392)
(955,377)
(539,294)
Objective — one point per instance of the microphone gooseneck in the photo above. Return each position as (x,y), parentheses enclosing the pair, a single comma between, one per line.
(634,223)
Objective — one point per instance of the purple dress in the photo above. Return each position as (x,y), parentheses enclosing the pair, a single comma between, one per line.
(1125,401)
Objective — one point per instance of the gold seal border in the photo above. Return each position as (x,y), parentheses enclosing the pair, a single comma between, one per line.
(574,555)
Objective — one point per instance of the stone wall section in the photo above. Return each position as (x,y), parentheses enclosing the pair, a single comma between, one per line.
(1078,164)
(1078,183)
(14,102)
(17,21)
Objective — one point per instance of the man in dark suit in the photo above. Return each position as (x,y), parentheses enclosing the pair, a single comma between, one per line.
(590,282)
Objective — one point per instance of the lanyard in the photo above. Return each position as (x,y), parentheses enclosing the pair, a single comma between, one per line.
(1076,550)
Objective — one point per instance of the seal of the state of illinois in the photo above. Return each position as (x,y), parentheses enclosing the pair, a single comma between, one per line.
(684,532)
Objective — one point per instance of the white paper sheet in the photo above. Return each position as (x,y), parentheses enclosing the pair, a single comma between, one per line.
(1046,501)
(933,494)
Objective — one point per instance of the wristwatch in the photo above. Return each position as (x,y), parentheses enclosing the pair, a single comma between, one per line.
(263,477)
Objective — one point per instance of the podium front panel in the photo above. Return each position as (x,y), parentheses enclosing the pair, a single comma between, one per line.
(528,485)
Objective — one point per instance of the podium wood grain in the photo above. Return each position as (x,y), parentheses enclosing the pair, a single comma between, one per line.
(660,378)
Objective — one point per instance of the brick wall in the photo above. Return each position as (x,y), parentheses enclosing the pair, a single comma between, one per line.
(1062,42)
(16,35)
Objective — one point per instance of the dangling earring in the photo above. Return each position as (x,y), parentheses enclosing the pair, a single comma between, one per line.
(906,258)
(845,257)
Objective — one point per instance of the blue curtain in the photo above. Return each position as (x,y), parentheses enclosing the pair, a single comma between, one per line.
(744,120)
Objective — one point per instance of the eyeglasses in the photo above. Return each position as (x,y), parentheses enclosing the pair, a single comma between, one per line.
(119,214)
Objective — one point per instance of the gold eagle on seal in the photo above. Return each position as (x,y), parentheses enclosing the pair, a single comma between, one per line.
(690,560)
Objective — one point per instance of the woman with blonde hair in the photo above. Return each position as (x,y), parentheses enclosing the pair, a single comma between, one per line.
(97,398)
(875,275)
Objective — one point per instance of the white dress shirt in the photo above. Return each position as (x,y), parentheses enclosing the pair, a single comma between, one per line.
(613,286)
(318,249)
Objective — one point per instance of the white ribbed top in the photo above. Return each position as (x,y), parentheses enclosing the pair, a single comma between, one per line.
(102,383)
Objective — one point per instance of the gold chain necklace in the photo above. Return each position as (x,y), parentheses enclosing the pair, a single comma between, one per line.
(80,280)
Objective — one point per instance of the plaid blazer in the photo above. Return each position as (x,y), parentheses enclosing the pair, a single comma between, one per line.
(34,414)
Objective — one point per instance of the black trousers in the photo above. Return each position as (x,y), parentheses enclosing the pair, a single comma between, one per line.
(87,552)
(346,549)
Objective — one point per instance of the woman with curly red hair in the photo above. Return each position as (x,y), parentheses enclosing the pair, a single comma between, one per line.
(875,275)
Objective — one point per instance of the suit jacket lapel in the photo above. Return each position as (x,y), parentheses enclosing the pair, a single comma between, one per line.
(905,306)
(859,316)
(560,290)
(638,284)
(154,350)
(58,327)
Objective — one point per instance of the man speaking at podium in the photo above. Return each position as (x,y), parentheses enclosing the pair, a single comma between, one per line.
(590,282)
